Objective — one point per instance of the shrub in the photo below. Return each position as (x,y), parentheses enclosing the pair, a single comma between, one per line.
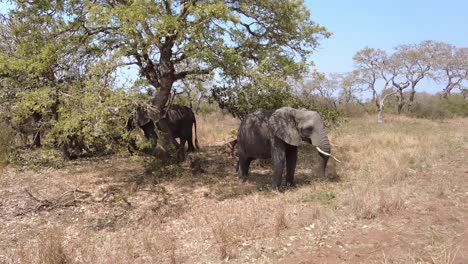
(356,110)
(434,107)
(91,124)
(456,105)
(241,101)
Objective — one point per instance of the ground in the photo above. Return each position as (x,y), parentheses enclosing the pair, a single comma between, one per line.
(400,195)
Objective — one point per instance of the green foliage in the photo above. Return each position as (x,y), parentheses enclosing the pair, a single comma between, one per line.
(329,114)
(456,105)
(59,60)
(356,109)
(37,101)
(91,121)
(434,107)
(35,159)
(241,101)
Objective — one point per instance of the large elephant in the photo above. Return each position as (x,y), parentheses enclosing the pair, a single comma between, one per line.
(276,134)
(179,120)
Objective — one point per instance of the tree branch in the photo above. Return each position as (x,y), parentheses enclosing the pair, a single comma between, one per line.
(183,74)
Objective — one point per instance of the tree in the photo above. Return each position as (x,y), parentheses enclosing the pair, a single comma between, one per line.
(372,70)
(418,61)
(349,88)
(169,41)
(451,66)
(318,84)
(52,74)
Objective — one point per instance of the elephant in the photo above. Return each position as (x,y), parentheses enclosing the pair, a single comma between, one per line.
(179,120)
(276,134)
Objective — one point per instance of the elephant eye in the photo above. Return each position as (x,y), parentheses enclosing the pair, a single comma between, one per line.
(306,130)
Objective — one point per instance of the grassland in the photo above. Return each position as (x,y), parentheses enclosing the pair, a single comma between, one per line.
(398,196)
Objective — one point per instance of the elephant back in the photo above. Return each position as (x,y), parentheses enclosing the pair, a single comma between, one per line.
(180,113)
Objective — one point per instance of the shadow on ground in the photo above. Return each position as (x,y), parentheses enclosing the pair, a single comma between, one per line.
(214,171)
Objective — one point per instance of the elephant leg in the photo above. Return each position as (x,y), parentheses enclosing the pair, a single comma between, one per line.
(244,164)
(278,156)
(291,161)
(180,148)
(182,143)
(150,134)
(191,148)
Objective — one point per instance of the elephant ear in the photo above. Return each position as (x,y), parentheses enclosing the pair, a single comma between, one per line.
(283,125)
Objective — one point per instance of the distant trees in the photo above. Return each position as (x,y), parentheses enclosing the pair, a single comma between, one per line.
(451,68)
(384,75)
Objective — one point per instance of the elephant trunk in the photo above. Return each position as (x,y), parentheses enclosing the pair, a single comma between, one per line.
(323,146)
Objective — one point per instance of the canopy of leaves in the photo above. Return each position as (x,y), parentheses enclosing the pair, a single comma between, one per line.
(169,40)
(60,60)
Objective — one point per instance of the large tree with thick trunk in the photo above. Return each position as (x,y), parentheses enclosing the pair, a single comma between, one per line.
(171,40)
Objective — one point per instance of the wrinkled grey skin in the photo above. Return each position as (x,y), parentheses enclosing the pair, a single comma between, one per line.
(179,121)
(276,134)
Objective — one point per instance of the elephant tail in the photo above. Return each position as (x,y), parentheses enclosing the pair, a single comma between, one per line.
(196,137)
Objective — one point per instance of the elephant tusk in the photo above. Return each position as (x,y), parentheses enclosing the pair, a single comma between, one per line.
(327,154)
(323,152)
(336,159)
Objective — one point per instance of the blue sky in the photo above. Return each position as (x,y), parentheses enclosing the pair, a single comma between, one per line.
(384,24)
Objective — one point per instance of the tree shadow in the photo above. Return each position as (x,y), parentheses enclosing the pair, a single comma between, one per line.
(217,176)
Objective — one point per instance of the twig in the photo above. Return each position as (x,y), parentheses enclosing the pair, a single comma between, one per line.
(60,201)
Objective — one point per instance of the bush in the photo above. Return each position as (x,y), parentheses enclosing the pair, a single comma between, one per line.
(456,105)
(241,101)
(356,110)
(328,112)
(434,107)
(92,123)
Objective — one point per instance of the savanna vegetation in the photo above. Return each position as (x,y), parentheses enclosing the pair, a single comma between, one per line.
(78,186)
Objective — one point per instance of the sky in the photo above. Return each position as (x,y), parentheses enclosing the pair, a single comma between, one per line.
(382,24)
(385,24)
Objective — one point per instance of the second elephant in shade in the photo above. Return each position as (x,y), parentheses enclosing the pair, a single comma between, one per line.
(180,120)
(276,134)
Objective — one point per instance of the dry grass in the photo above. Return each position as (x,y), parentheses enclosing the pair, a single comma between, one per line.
(380,157)
(280,220)
(216,129)
(390,173)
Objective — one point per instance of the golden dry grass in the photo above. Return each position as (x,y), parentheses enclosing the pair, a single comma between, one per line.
(216,128)
(390,175)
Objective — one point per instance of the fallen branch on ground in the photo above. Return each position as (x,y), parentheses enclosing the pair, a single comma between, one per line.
(66,199)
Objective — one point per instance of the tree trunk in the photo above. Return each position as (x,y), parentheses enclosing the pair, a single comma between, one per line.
(166,72)
(401,103)
(381,109)
(411,98)
(446,91)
